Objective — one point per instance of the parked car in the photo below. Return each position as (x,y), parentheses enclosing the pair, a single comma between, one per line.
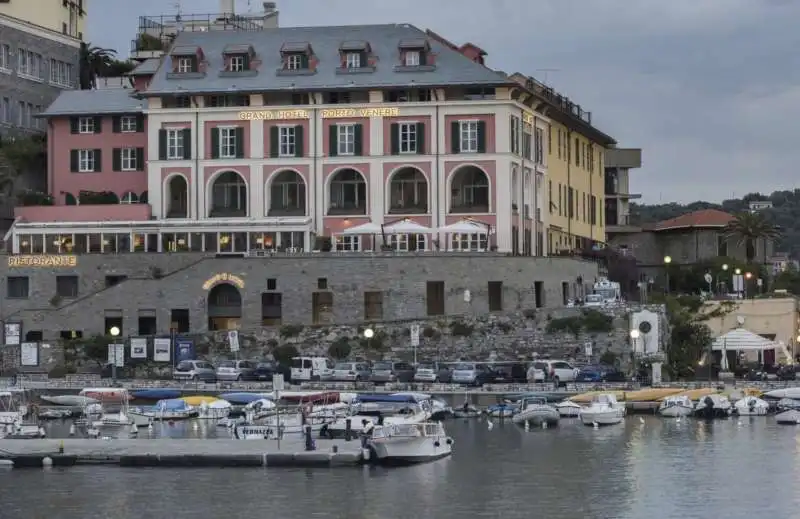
(236,370)
(539,373)
(561,371)
(427,372)
(195,370)
(600,373)
(445,373)
(264,371)
(388,371)
(509,372)
(473,374)
(350,372)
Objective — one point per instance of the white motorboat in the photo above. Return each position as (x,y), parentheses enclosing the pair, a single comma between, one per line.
(12,410)
(751,406)
(410,443)
(217,410)
(69,400)
(439,409)
(259,409)
(20,431)
(281,425)
(568,409)
(164,410)
(385,413)
(97,415)
(788,417)
(466,411)
(604,410)
(676,406)
(504,410)
(713,406)
(56,413)
(535,411)
(789,392)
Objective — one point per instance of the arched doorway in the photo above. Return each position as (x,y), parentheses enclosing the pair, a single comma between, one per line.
(228,196)
(469,191)
(408,192)
(224,307)
(177,197)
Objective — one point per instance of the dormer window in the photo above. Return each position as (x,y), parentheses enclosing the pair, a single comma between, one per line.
(186,60)
(296,62)
(352,60)
(415,55)
(296,59)
(185,65)
(238,58)
(411,58)
(238,63)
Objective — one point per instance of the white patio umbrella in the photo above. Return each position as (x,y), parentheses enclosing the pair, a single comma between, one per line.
(364,228)
(406,227)
(464,227)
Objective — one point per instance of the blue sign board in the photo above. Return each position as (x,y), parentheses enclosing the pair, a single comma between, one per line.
(184,349)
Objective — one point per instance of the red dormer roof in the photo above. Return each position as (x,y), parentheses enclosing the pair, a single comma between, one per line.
(474,48)
(709,218)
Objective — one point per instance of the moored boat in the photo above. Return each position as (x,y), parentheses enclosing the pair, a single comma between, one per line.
(155,394)
(604,410)
(197,400)
(536,412)
(466,411)
(241,398)
(504,410)
(713,406)
(107,395)
(751,406)
(380,409)
(410,443)
(568,409)
(214,411)
(695,394)
(676,406)
(163,410)
(69,400)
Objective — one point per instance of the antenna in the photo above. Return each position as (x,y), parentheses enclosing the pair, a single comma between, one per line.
(546,71)
(178,17)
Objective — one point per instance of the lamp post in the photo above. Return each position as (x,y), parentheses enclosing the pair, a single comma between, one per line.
(747,277)
(369,333)
(114,331)
(667,261)
(634,338)
(794,350)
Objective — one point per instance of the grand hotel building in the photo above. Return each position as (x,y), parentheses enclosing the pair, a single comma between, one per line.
(382,160)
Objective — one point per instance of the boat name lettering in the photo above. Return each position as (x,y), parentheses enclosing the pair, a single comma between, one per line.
(42,261)
(223,278)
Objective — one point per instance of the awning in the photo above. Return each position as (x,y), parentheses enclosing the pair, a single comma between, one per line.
(465,227)
(364,228)
(406,227)
(741,339)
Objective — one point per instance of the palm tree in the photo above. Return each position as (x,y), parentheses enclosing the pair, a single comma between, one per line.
(94,61)
(748,228)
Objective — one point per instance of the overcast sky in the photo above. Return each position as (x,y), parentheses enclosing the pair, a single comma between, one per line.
(709,89)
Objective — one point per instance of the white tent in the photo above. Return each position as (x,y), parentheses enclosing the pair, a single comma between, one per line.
(406,227)
(743,340)
(464,227)
(364,228)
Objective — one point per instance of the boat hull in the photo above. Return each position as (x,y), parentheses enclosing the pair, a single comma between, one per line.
(711,413)
(411,451)
(500,411)
(676,411)
(69,400)
(789,417)
(156,394)
(751,406)
(468,413)
(568,410)
(789,392)
(602,417)
(143,419)
(537,417)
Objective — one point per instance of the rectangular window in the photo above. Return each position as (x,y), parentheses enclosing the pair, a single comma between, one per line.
(60,73)
(434,297)
(237,63)
(348,243)
(86,125)
(175,144)
(271,309)
(179,320)
(353,60)
(5,110)
(550,203)
(5,58)
(322,307)
(722,246)
(287,141)
(527,148)
(147,322)
(127,124)
(495,296)
(408,137)
(346,139)
(128,159)
(67,286)
(577,152)
(373,306)
(539,145)
(86,161)
(469,242)
(468,136)
(227,143)
(17,287)
(538,288)
(185,65)
(411,58)
(294,62)
(515,135)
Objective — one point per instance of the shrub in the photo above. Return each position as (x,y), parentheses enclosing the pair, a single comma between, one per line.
(597,322)
(376,342)
(504,326)
(340,348)
(429,332)
(58,372)
(284,354)
(609,358)
(565,324)
(461,329)
(529,313)
(291,330)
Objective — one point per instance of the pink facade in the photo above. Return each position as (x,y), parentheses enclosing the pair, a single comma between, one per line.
(268,132)
(209,151)
(63,141)
(487,119)
(84,213)
(387,131)
(326,133)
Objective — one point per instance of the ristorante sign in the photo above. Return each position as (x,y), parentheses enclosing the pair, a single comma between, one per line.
(327,113)
(42,261)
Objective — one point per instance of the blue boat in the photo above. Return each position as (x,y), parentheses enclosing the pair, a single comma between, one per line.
(156,394)
(241,398)
(502,410)
(398,399)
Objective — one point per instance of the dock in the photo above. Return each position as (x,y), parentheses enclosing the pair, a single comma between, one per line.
(167,452)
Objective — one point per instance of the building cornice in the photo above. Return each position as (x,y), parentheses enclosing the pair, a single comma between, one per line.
(37,30)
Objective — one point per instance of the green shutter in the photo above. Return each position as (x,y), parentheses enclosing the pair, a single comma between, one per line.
(481,137)
(140,123)
(116,124)
(455,137)
(73,161)
(274,143)
(333,141)
(358,140)
(304,61)
(98,124)
(394,131)
(299,141)
(98,160)
(239,133)
(73,125)
(187,143)
(246,60)
(162,144)
(139,159)
(421,139)
(423,58)
(116,159)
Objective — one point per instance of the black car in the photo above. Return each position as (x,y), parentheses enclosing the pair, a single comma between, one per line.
(265,371)
(510,372)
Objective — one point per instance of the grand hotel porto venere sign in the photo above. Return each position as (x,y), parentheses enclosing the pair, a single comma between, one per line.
(327,113)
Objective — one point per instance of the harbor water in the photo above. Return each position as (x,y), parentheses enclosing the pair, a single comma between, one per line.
(647,467)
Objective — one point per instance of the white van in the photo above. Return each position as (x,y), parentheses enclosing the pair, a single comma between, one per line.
(305,369)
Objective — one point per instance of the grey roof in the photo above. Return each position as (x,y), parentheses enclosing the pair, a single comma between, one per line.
(354,45)
(452,68)
(184,50)
(147,67)
(295,46)
(94,102)
(413,43)
(237,49)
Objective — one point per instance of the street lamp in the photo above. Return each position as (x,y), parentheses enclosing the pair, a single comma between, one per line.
(634,337)
(724,269)
(667,261)
(738,272)
(369,333)
(114,331)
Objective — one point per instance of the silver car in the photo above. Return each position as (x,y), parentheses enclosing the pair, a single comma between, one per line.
(427,372)
(236,370)
(350,372)
(196,370)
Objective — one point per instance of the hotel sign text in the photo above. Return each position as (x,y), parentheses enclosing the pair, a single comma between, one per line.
(42,261)
(328,113)
(223,278)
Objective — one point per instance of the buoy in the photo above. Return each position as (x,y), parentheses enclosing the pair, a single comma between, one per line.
(641,420)
(527,425)
(7,464)
(42,432)
(366,454)
(72,430)
(595,425)
(490,424)
(47,461)
(134,429)
(150,427)
(544,425)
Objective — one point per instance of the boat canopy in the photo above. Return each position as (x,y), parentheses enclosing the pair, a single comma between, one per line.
(330,397)
(395,398)
(171,404)
(241,397)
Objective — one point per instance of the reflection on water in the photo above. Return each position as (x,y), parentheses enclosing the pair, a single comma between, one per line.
(661,469)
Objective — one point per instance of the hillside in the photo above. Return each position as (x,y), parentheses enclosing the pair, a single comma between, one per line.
(785,213)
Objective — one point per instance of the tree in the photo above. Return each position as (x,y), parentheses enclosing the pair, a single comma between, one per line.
(93,348)
(748,228)
(284,354)
(94,63)
(340,348)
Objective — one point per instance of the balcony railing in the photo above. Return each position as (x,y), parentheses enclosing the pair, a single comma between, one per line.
(408,209)
(469,208)
(347,210)
(286,210)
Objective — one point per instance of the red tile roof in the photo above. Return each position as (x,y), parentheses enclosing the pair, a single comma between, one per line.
(702,218)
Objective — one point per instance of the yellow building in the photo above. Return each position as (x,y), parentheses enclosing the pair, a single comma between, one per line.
(575,190)
(63,16)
